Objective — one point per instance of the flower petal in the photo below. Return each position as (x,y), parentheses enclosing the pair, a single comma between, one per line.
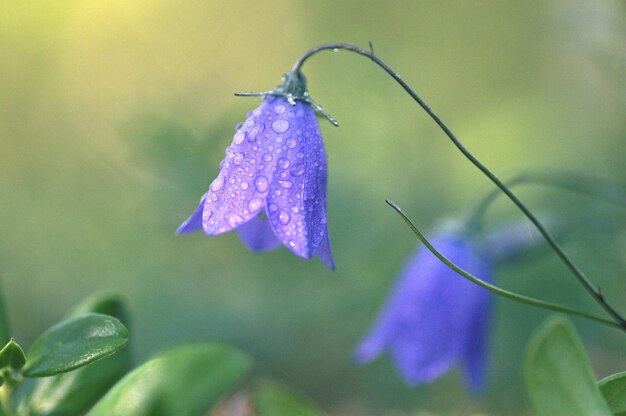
(297,196)
(376,339)
(238,193)
(194,222)
(257,235)
(475,353)
(324,252)
(431,315)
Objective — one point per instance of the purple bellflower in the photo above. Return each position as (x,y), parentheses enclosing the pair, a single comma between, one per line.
(271,186)
(435,318)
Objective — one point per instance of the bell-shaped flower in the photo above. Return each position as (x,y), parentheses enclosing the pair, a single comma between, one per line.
(271,186)
(435,318)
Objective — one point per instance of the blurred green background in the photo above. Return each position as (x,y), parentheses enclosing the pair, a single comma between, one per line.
(114,116)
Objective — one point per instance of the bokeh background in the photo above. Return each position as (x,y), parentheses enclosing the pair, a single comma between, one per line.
(114,116)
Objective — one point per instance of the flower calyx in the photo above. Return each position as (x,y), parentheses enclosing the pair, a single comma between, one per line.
(293,88)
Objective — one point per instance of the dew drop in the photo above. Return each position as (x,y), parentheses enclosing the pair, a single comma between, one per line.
(237,159)
(297,169)
(217,184)
(283,175)
(280,126)
(233,220)
(323,220)
(267,157)
(261,184)
(273,207)
(254,131)
(283,217)
(255,204)
(279,108)
(244,185)
(286,184)
(283,163)
(291,142)
(292,244)
(300,155)
(238,139)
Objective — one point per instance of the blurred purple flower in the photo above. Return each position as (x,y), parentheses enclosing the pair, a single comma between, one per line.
(272,183)
(434,317)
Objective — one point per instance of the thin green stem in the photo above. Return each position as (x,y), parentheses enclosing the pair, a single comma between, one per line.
(569,181)
(569,263)
(495,289)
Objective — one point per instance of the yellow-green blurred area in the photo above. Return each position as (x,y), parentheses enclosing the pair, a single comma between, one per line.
(114,116)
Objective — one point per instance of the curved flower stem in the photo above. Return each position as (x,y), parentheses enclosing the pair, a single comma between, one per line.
(495,289)
(576,271)
(610,192)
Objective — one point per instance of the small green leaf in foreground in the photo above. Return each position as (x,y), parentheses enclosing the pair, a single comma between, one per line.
(75,392)
(273,399)
(558,375)
(613,388)
(184,381)
(74,343)
(12,355)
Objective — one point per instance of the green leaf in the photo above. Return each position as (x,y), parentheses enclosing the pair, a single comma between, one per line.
(106,303)
(74,343)
(12,355)
(73,393)
(184,381)
(558,375)
(273,399)
(613,388)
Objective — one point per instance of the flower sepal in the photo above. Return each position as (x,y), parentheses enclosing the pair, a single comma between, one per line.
(292,88)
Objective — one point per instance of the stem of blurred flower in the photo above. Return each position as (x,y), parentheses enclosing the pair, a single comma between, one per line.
(610,192)
(495,289)
(576,271)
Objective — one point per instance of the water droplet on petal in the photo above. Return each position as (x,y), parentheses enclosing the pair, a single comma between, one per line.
(291,143)
(233,220)
(279,108)
(217,184)
(273,207)
(255,204)
(286,184)
(238,139)
(283,163)
(324,220)
(300,155)
(292,244)
(280,126)
(283,217)
(254,131)
(267,157)
(238,158)
(297,169)
(244,185)
(261,184)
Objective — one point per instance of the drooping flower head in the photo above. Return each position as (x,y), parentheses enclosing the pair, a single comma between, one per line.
(434,318)
(272,183)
